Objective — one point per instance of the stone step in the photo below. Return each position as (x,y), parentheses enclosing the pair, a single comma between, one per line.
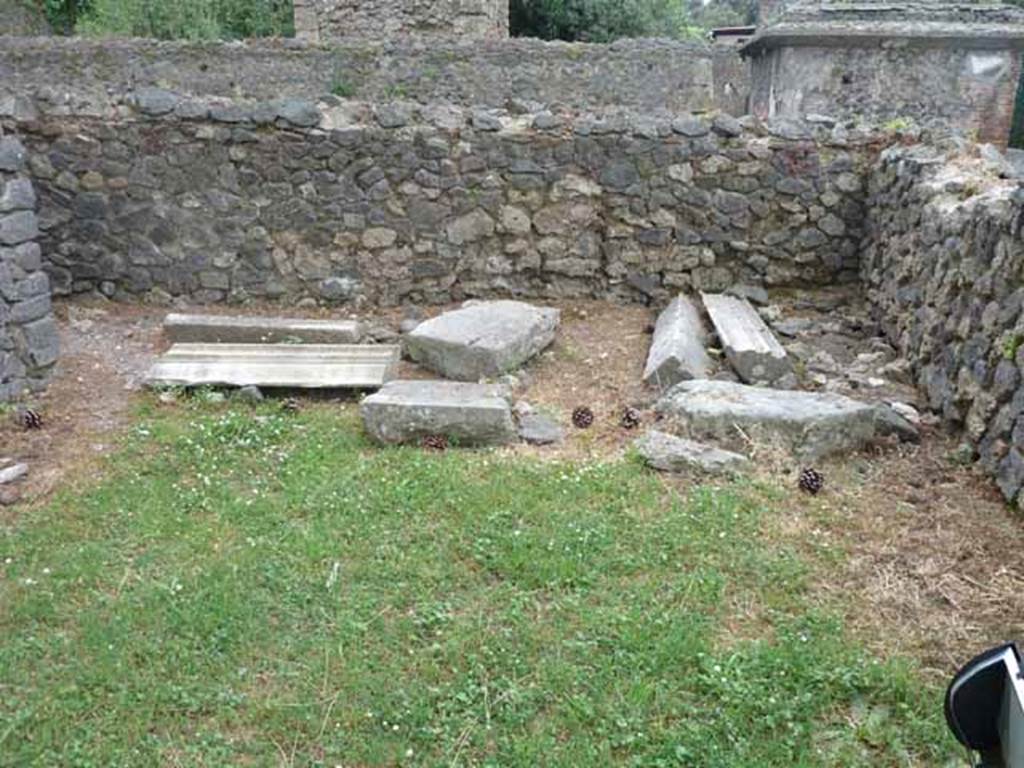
(809,424)
(677,350)
(751,347)
(305,366)
(469,414)
(482,340)
(223,329)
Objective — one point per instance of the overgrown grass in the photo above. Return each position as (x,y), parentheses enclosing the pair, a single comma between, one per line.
(247,587)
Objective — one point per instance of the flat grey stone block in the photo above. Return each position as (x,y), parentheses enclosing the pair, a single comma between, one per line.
(305,366)
(538,429)
(669,453)
(484,340)
(809,424)
(677,349)
(470,414)
(749,344)
(216,329)
(10,474)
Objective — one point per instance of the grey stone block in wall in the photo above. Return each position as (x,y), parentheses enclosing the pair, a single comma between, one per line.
(469,414)
(483,340)
(809,424)
(18,227)
(12,154)
(678,347)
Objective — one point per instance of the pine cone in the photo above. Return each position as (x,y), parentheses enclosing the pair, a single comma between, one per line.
(582,417)
(29,419)
(291,405)
(631,418)
(434,443)
(811,481)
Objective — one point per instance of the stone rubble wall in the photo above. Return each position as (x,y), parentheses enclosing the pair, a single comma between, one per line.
(943,261)
(397,202)
(80,77)
(28,335)
(338,19)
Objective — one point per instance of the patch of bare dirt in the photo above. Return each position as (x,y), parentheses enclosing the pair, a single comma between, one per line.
(932,563)
(105,350)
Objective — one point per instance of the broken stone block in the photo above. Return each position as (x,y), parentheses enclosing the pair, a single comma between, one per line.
(749,345)
(888,421)
(669,453)
(483,340)
(809,424)
(538,429)
(10,474)
(677,350)
(468,414)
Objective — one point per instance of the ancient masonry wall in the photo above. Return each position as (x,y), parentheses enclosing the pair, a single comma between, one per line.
(336,19)
(401,202)
(90,77)
(28,335)
(944,87)
(942,262)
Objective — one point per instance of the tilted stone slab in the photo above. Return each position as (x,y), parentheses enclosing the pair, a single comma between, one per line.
(677,349)
(669,453)
(483,340)
(304,366)
(750,346)
(810,424)
(468,414)
(221,329)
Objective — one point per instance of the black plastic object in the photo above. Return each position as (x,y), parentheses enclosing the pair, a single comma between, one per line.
(974,699)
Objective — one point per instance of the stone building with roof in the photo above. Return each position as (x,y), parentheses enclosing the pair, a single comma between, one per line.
(954,65)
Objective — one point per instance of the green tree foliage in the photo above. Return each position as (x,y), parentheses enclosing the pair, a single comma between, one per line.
(63,14)
(600,21)
(174,19)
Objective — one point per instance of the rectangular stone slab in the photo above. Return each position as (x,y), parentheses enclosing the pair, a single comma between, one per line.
(677,349)
(305,366)
(750,346)
(222,329)
(469,414)
(810,424)
(482,340)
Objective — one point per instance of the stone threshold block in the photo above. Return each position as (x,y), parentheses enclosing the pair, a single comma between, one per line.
(808,424)
(469,414)
(678,347)
(222,329)
(751,348)
(301,366)
(482,340)
(669,453)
